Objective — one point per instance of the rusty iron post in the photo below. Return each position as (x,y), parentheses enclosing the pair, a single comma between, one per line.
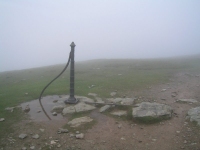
(72,99)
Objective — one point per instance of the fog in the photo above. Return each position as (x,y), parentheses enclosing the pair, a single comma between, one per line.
(38,33)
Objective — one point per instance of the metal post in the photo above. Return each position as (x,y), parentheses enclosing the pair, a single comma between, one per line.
(72,99)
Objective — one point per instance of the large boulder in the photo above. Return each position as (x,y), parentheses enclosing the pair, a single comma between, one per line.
(194,115)
(151,112)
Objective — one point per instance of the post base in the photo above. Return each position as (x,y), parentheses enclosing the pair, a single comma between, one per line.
(71,100)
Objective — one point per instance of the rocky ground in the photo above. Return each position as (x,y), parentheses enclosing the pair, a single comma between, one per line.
(108,132)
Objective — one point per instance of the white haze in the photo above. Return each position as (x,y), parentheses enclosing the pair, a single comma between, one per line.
(38,33)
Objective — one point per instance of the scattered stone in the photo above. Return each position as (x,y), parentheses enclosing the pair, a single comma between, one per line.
(122,138)
(71,135)
(152,111)
(104,108)
(79,121)
(24,148)
(77,132)
(58,146)
(91,86)
(36,136)
(80,107)
(113,93)
(58,108)
(185,142)
(10,109)
(119,113)
(54,114)
(68,110)
(80,136)
(22,136)
(187,100)
(120,126)
(53,142)
(84,99)
(194,115)
(178,131)
(154,140)
(61,130)
(42,130)
(2,119)
(127,101)
(99,100)
(55,101)
(27,109)
(114,100)
(92,94)
(163,90)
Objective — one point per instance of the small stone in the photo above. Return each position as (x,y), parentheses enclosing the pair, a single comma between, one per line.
(185,142)
(24,148)
(71,135)
(120,126)
(36,136)
(42,130)
(54,101)
(22,136)
(80,136)
(58,146)
(154,140)
(61,130)
(178,131)
(163,90)
(113,93)
(32,147)
(77,132)
(53,142)
(54,114)
(104,108)
(123,138)
(2,119)
(26,93)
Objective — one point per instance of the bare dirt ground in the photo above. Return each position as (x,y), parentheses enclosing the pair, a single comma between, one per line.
(174,134)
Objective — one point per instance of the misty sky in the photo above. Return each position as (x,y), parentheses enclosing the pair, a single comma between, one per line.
(38,33)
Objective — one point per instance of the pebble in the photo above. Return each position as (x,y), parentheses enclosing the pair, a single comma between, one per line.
(61,130)
(54,114)
(36,136)
(120,126)
(2,119)
(42,130)
(178,131)
(123,138)
(185,142)
(77,132)
(53,142)
(24,148)
(80,136)
(32,147)
(154,140)
(22,136)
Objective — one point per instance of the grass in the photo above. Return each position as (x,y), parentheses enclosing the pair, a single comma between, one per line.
(107,76)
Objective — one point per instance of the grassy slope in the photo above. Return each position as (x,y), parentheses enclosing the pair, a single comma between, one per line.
(104,74)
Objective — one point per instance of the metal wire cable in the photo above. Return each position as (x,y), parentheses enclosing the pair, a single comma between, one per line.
(50,83)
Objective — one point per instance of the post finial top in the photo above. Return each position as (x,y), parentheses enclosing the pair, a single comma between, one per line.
(72,44)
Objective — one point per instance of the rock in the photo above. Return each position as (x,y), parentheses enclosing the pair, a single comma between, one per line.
(187,100)
(53,142)
(58,108)
(114,100)
(120,126)
(151,111)
(194,115)
(61,130)
(163,90)
(91,86)
(2,119)
(84,99)
(54,114)
(26,93)
(36,136)
(104,108)
(58,146)
(68,110)
(55,101)
(42,130)
(154,140)
(113,93)
(99,100)
(79,121)
(22,136)
(127,101)
(80,107)
(24,148)
(119,113)
(32,147)
(92,94)
(80,136)
(27,109)
(10,109)
(71,135)
(178,131)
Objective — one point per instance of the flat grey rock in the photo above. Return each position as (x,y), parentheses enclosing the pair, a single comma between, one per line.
(22,136)
(104,108)
(2,119)
(119,113)
(187,100)
(99,100)
(92,94)
(79,121)
(80,136)
(114,100)
(84,99)
(58,108)
(81,107)
(152,111)
(68,110)
(194,115)
(127,101)
(36,136)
